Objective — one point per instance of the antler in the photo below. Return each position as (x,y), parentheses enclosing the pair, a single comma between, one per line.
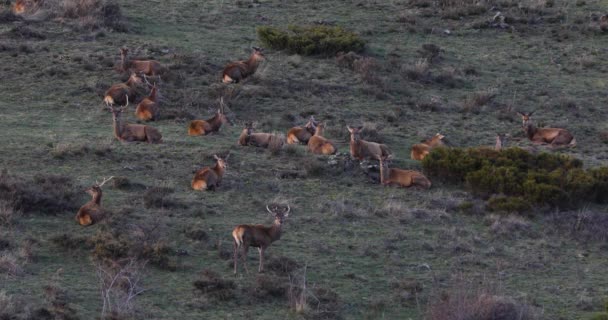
(287,211)
(104,181)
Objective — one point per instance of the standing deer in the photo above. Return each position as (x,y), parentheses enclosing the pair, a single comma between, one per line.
(118,93)
(302,134)
(318,144)
(555,137)
(132,132)
(421,150)
(234,72)
(259,139)
(401,178)
(204,127)
(147,109)
(209,178)
(361,149)
(92,212)
(259,236)
(147,67)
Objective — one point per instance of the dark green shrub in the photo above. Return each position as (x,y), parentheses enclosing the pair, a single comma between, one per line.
(312,40)
(599,316)
(508,204)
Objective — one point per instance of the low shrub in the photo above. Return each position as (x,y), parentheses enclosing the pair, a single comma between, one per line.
(310,40)
(212,285)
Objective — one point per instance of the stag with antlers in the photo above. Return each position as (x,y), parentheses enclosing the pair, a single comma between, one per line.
(205,127)
(92,212)
(258,235)
(234,72)
(209,178)
(132,132)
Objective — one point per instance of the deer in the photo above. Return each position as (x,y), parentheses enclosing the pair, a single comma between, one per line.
(23,6)
(146,67)
(236,71)
(361,149)
(555,137)
(205,127)
(117,93)
(501,141)
(147,109)
(209,178)
(92,212)
(400,177)
(126,132)
(259,139)
(301,135)
(258,236)
(421,150)
(318,144)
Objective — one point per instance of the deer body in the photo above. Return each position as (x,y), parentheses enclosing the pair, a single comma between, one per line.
(147,67)
(555,137)
(402,178)
(209,178)
(258,236)
(234,72)
(204,127)
(147,109)
(301,135)
(361,149)
(258,139)
(421,150)
(318,144)
(118,93)
(133,132)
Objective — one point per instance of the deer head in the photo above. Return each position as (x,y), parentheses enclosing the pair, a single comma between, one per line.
(355,133)
(258,54)
(279,215)
(96,188)
(526,118)
(116,111)
(221,163)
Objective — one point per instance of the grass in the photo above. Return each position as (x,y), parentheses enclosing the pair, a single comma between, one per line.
(355,237)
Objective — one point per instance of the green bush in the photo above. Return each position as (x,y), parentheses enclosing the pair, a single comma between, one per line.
(599,316)
(313,40)
(523,178)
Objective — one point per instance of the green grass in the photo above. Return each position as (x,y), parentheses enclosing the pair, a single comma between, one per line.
(357,257)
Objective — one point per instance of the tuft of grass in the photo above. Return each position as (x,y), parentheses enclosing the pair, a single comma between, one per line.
(475,102)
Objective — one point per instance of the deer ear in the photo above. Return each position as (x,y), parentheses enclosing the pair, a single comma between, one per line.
(349,129)
(216,157)
(530,114)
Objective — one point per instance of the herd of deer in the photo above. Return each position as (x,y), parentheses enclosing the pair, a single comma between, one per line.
(118,96)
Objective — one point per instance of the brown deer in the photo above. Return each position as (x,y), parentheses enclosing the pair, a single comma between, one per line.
(302,134)
(92,212)
(147,109)
(147,67)
(259,236)
(555,137)
(421,150)
(118,93)
(361,149)
(401,178)
(604,23)
(204,127)
(132,132)
(209,178)
(318,144)
(234,72)
(259,139)
(501,141)
(23,6)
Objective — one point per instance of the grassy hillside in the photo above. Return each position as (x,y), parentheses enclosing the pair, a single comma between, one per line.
(370,252)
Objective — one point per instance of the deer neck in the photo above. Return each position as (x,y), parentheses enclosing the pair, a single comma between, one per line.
(219,170)
(384,172)
(530,130)
(117,126)
(252,64)
(96,198)
(152,96)
(319,131)
(275,231)
(125,62)
(499,145)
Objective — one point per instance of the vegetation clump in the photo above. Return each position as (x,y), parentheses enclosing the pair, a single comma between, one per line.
(310,40)
(521,178)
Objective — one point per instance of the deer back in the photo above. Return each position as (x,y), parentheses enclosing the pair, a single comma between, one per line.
(420,151)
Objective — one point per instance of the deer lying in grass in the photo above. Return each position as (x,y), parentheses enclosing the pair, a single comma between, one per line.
(92,212)
(132,132)
(147,109)
(209,178)
(302,134)
(317,144)
(147,67)
(118,93)
(259,236)
(401,178)
(259,139)
(421,150)
(234,72)
(361,149)
(501,141)
(555,137)
(205,127)
(23,6)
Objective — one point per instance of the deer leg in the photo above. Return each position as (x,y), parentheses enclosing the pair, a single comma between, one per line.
(236,255)
(245,248)
(261,267)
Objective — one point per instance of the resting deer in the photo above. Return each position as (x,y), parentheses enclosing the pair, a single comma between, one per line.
(234,72)
(22,6)
(361,149)
(401,178)
(118,93)
(421,150)
(555,137)
(302,134)
(259,236)
(318,144)
(204,127)
(146,67)
(147,109)
(209,178)
(501,141)
(92,212)
(132,132)
(259,139)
